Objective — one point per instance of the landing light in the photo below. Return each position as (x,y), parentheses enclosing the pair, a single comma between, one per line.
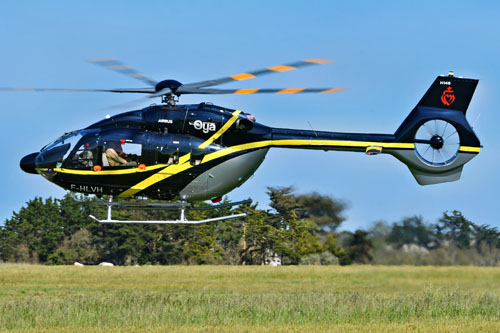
(373,150)
(218,199)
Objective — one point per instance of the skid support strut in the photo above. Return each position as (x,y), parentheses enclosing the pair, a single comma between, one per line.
(110,200)
(182,219)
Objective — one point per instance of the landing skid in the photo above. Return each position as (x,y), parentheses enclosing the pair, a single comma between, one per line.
(183,205)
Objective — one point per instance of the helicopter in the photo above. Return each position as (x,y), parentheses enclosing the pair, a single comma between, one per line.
(202,151)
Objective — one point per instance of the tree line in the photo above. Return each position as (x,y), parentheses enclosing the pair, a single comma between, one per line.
(299,229)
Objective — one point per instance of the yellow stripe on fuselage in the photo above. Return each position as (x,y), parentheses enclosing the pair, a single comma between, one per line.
(342,143)
(466,149)
(315,143)
(109,172)
(167,171)
(253,145)
(221,130)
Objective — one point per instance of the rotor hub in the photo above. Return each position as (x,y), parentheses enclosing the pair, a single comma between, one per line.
(437,142)
(172,84)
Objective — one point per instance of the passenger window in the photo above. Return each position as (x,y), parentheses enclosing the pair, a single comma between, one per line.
(165,155)
(174,159)
(118,154)
(197,155)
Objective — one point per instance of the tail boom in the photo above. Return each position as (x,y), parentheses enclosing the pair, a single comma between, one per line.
(434,141)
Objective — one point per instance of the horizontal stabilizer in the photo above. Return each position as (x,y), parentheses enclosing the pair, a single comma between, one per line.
(427,178)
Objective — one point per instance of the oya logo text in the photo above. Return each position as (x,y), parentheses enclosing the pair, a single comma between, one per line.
(204,126)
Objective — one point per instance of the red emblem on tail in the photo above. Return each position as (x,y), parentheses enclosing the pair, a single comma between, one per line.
(448,97)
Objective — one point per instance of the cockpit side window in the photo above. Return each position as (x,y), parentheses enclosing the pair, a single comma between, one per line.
(85,156)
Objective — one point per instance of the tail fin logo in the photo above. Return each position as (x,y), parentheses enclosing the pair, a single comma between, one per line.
(448,97)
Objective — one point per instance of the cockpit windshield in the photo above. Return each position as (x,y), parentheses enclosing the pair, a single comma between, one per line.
(53,154)
(70,137)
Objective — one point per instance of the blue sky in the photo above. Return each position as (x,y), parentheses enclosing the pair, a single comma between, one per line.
(386,53)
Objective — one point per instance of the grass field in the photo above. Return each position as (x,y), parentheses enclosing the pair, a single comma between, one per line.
(262,299)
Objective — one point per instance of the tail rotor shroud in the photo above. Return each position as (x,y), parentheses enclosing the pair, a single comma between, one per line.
(437,143)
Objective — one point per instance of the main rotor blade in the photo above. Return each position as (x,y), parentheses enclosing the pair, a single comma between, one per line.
(128,105)
(119,90)
(117,66)
(211,91)
(251,75)
(134,103)
(164,91)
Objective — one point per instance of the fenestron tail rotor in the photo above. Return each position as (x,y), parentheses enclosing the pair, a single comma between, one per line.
(169,89)
(437,143)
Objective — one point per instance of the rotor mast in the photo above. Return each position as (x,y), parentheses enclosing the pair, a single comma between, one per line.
(170,99)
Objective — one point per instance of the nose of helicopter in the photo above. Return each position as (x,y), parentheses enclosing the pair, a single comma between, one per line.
(27,163)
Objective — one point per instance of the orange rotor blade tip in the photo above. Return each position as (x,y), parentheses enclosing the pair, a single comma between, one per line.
(290,90)
(318,61)
(327,91)
(281,68)
(242,76)
(246,91)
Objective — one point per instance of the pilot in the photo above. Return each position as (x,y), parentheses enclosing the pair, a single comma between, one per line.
(87,156)
(114,153)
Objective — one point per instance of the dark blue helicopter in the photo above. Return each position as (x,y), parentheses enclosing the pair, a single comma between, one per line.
(203,151)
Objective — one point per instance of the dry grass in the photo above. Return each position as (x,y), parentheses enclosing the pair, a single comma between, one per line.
(225,298)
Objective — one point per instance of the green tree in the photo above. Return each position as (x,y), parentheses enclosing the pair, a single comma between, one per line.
(261,237)
(486,238)
(59,231)
(33,233)
(358,247)
(295,219)
(412,230)
(330,245)
(323,210)
(77,247)
(456,229)
(379,233)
